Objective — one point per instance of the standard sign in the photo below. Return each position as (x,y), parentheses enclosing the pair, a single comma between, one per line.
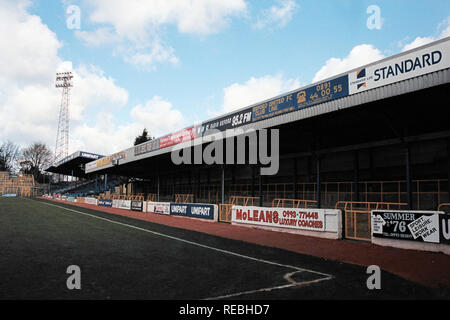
(425,226)
(430,59)
(294,218)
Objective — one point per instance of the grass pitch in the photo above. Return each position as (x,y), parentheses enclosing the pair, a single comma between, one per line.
(124,258)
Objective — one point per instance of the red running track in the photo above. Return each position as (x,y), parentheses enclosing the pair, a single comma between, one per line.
(427,268)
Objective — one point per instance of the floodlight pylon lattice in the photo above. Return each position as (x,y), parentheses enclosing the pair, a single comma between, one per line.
(64,81)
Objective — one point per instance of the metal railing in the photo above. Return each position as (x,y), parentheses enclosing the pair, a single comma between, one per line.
(292,203)
(357,217)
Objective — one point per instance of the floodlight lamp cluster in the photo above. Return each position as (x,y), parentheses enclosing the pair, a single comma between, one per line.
(64,79)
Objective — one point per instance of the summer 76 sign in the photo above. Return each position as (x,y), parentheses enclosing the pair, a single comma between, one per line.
(424,226)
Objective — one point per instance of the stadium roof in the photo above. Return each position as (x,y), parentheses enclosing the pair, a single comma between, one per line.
(413,70)
(73,165)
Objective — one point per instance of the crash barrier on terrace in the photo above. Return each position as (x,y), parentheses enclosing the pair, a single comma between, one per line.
(184,198)
(293,203)
(225,208)
(444,207)
(356,220)
(426,194)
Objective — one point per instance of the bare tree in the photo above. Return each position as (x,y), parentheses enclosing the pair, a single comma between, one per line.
(9,154)
(35,158)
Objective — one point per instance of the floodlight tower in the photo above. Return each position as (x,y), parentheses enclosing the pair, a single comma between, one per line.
(64,81)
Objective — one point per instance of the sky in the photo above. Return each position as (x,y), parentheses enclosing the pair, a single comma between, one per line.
(164,65)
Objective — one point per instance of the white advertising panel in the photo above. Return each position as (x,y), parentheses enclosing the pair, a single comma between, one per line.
(430,59)
(294,218)
(158,207)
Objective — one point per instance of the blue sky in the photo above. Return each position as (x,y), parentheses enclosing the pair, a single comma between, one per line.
(193,66)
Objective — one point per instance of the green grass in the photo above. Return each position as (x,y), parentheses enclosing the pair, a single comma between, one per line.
(39,240)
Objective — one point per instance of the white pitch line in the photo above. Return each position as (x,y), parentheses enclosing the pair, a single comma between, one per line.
(286,277)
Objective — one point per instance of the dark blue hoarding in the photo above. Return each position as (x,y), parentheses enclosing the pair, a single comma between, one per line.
(303,98)
(105,203)
(193,210)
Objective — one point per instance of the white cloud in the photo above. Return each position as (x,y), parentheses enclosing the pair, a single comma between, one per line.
(29,101)
(29,46)
(278,16)
(105,136)
(93,89)
(99,37)
(419,41)
(158,116)
(443,30)
(136,26)
(365,54)
(142,17)
(358,56)
(254,90)
(148,56)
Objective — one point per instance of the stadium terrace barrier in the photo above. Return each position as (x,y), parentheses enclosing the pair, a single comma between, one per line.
(225,208)
(225,212)
(184,198)
(356,220)
(408,229)
(292,203)
(444,205)
(322,223)
(80,199)
(243,200)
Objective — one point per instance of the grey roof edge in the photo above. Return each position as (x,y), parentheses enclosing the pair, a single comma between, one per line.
(398,88)
(327,79)
(320,81)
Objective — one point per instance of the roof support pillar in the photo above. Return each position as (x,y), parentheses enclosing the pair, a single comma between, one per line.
(260,185)
(408,175)
(294,179)
(157,187)
(448,167)
(318,193)
(222,184)
(356,174)
(253,180)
